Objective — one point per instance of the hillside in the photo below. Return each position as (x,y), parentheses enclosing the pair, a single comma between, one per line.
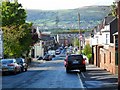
(68,19)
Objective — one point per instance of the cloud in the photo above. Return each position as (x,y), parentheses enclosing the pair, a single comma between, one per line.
(61,4)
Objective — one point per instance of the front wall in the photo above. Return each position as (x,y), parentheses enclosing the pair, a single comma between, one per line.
(105,56)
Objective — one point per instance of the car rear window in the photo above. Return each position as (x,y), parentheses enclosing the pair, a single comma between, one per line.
(75,57)
(7,61)
(19,60)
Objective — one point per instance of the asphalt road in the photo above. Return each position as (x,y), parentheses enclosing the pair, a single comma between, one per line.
(50,74)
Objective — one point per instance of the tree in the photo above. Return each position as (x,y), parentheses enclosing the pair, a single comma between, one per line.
(12,14)
(87,51)
(17,34)
(16,40)
(113,10)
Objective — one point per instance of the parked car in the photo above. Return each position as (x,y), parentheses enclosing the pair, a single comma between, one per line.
(86,59)
(57,52)
(73,62)
(40,58)
(21,61)
(48,57)
(10,65)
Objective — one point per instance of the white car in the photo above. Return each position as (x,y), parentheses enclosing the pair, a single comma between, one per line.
(10,65)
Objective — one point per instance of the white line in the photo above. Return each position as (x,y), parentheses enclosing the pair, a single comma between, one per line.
(83,75)
(80,81)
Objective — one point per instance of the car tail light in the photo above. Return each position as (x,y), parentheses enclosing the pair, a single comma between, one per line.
(83,62)
(10,64)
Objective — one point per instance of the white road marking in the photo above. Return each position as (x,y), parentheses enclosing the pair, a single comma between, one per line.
(83,75)
(80,81)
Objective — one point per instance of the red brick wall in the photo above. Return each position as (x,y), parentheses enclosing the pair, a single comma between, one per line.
(108,59)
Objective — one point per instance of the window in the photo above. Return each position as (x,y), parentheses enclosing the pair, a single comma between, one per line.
(110,57)
(107,38)
(104,58)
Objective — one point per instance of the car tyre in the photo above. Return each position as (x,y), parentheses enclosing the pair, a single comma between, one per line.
(67,70)
(15,72)
(25,69)
(83,70)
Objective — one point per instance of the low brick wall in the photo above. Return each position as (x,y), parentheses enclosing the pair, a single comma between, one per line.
(107,56)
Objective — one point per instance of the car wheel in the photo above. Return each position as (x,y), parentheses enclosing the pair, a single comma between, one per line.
(22,69)
(83,70)
(67,70)
(15,71)
(25,69)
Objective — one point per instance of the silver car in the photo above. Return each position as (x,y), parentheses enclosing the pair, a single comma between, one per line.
(10,65)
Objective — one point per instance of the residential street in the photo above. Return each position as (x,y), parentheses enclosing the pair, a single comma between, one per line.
(52,74)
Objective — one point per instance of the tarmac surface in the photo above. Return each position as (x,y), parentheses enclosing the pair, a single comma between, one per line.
(94,78)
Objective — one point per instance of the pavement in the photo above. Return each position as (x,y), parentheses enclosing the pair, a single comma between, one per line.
(97,78)
(94,78)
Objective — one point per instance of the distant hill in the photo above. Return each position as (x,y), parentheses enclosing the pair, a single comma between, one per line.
(90,16)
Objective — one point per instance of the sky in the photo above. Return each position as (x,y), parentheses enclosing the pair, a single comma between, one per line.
(61,4)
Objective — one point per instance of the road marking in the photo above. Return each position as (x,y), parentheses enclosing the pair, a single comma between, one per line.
(83,75)
(81,83)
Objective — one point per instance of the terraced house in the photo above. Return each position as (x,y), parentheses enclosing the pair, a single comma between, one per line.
(105,44)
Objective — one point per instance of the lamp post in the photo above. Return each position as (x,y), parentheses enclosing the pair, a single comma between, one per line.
(118,16)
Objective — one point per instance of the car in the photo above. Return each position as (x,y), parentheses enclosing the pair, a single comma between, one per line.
(48,57)
(40,58)
(21,61)
(86,59)
(57,52)
(58,58)
(10,65)
(75,62)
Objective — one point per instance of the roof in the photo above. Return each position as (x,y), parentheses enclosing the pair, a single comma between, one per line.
(108,19)
(46,37)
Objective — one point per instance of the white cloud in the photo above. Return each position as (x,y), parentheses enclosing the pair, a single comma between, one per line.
(61,4)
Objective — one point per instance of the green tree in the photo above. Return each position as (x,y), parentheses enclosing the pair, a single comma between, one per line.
(17,40)
(87,51)
(17,34)
(12,14)
(113,10)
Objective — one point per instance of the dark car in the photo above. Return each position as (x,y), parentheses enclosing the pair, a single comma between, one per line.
(21,61)
(47,57)
(73,62)
(40,58)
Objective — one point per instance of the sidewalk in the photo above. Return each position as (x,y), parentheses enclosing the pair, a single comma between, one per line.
(99,78)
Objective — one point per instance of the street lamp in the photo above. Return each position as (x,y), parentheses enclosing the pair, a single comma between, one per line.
(118,16)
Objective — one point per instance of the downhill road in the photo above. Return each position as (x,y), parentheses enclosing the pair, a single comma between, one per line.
(50,74)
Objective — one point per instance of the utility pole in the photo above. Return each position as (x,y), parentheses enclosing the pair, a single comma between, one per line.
(79,32)
(118,44)
(118,16)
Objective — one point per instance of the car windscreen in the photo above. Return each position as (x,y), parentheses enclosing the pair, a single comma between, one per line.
(75,57)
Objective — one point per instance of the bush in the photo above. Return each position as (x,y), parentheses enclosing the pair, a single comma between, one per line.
(87,51)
